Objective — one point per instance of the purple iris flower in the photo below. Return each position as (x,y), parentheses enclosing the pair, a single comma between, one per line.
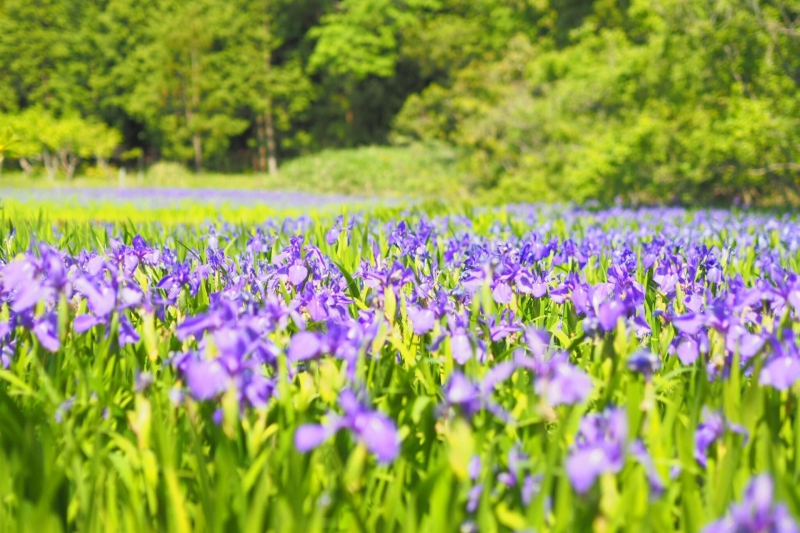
(564,384)
(461,348)
(342,340)
(758,512)
(372,428)
(556,379)
(690,324)
(464,344)
(638,451)
(101,299)
(574,289)
(474,497)
(34,279)
(504,325)
(176,396)
(599,448)
(422,320)
(688,347)
(206,378)
(739,339)
(470,397)
(782,369)
(502,293)
(7,344)
(30,294)
(147,254)
(63,408)
(297,273)
(46,330)
(475,492)
(608,313)
(709,431)
(531,486)
(529,283)
(255,387)
(333,234)
(644,362)
(143,381)
(780,372)
(462,392)
(223,312)
(304,345)
(666,277)
(528,484)
(127,333)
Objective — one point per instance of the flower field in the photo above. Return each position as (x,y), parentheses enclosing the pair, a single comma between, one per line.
(532,368)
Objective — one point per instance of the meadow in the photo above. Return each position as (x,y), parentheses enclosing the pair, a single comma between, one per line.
(388,368)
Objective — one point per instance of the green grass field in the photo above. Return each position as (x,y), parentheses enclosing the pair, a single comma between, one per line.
(398,172)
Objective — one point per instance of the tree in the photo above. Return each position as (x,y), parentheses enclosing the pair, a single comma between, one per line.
(45,55)
(356,44)
(273,92)
(182,87)
(8,141)
(669,100)
(60,143)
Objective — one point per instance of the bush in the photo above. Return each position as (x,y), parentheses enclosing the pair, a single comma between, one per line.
(164,171)
(411,171)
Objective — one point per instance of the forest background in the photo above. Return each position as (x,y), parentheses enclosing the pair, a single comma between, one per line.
(648,101)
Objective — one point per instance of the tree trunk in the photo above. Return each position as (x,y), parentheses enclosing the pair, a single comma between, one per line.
(349,113)
(27,166)
(72,166)
(196,140)
(69,163)
(50,164)
(261,161)
(198,152)
(272,158)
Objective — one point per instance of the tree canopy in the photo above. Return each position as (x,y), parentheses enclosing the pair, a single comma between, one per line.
(643,100)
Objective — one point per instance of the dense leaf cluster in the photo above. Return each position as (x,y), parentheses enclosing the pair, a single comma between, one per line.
(648,100)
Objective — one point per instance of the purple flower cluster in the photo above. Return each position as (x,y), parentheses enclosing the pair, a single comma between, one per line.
(372,428)
(513,477)
(711,430)
(35,285)
(757,513)
(170,197)
(485,313)
(555,378)
(602,447)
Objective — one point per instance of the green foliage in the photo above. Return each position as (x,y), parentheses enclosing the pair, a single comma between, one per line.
(184,91)
(47,55)
(373,172)
(413,171)
(60,143)
(358,39)
(7,143)
(643,100)
(656,102)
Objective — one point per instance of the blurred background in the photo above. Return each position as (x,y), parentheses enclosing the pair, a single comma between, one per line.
(633,101)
